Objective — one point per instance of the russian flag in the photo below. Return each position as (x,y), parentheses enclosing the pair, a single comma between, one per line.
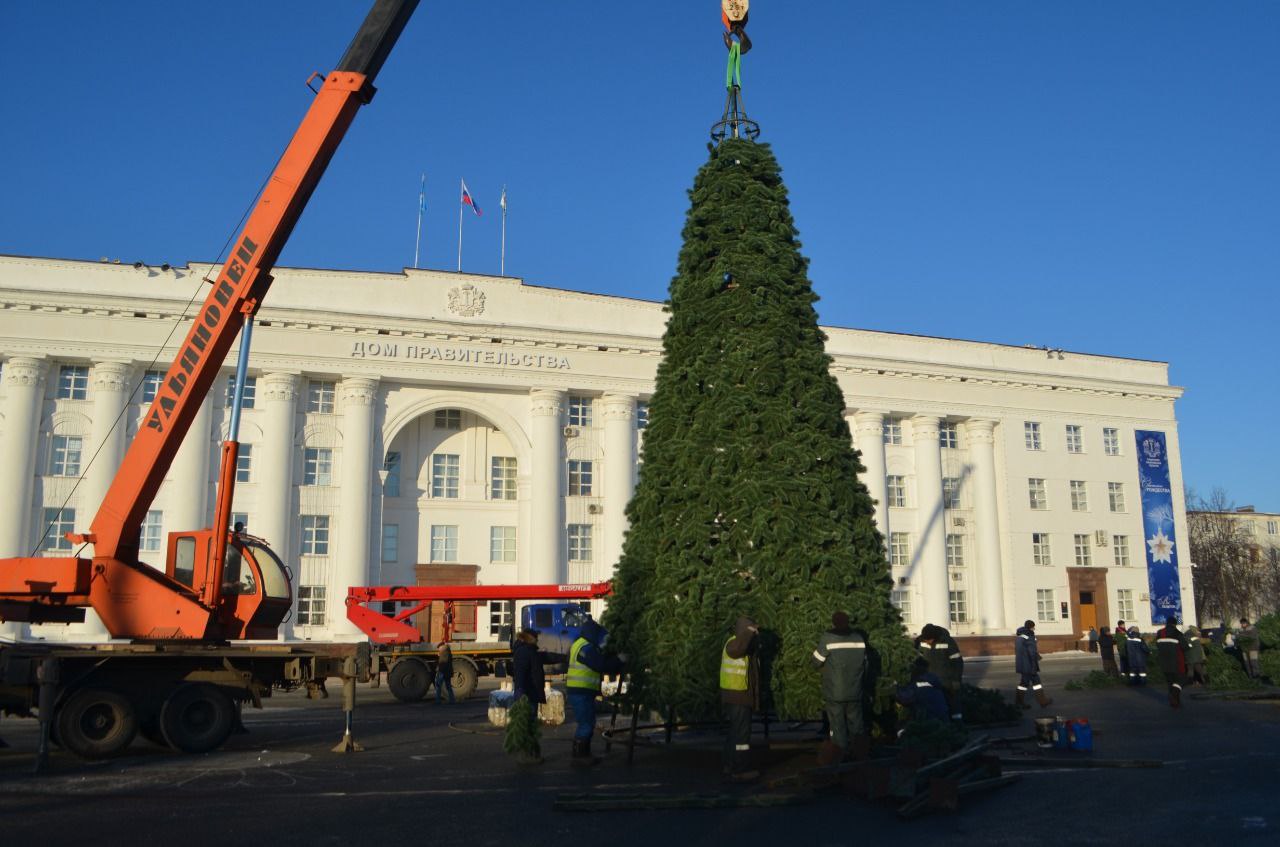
(467,199)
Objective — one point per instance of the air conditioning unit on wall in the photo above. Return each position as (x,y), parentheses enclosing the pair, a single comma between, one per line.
(957,521)
(594,509)
(570,432)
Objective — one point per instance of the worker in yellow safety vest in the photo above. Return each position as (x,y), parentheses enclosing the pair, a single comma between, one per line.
(739,690)
(588,663)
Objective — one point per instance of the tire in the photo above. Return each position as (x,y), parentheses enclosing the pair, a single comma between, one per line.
(409,680)
(96,723)
(197,718)
(464,678)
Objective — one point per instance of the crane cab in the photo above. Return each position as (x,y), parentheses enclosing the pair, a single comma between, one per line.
(250,592)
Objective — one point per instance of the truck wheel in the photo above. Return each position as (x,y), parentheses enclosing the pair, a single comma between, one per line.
(197,718)
(409,680)
(96,723)
(464,678)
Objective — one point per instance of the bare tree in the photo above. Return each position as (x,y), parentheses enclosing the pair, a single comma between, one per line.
(1233,577)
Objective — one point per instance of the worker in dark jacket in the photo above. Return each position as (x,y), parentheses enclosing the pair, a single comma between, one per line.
(1122,650)
(924,695)
(444,671)
(1107,646)
(1027,663)
(1138,652)
(739,697)
(1171,652)
(588,663)
(936,646)
(842,656)
(1197,671)
(528,677)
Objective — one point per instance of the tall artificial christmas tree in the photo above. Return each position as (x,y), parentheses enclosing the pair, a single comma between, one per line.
(748,500)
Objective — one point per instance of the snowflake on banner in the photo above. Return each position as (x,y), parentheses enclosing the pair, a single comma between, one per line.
(1161,547)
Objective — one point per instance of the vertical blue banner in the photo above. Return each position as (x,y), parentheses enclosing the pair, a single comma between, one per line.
(1158,526)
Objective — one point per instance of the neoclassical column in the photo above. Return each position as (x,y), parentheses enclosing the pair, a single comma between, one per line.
(931,524)
(619,474)
(351,566)
(111,384)
(868,431)
(981,437)
(546,547)
(188,508)
(278,394)
(24,391)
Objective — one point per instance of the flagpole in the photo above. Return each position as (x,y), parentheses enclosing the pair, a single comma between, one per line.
(422,201)
(460,184)
(502,258)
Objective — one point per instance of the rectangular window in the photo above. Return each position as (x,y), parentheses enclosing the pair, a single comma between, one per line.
(311,605)
(1111,441)
(240,519)
(73,382)
(502,478)
(949,435)
(449,419)
(149,539)
(250,391)
(1041,549)
(244,463)
(1039,497)
(1115,493)
(1075,439)
(579,542)
(1124,604)
(501,613)
(1046,611)
(896,487)
(580,474)
(317,466)
(320,394)
(1272,527)
(391,464)
(315,535)
(1084,553)
(1079,496)
(391,542)
(951,492)
(901,599)
(151,385)
(899,549)
(444,475)
(959,606)
(59,523)
(579,411)
(64,457)
(444,543)
(502,543)
(642,415)
(955,550)
(893,430)
(1031,433)
(1120,546)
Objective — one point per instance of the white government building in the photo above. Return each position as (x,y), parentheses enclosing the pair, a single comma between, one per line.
(400,425)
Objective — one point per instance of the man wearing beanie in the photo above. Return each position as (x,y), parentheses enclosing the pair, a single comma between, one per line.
(842,657)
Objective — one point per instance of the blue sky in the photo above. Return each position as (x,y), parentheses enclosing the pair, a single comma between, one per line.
(1092,175)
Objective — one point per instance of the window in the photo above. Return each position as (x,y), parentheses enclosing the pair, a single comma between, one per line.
(1111,441)
(501,613)
(642,415)
(579,411)
(444,543)
(1031,432)
(948,435)
(1084,553)
(579,542)
(1039,498)
(151,385)
(897,490)
(59,523)
(1271,527)
(1041,549)
(502,478)
(320,395)
(1045,611)
(317,466)
(149,540)
(502,543)
(1124,604)
(955,550)
(391,464)
(311,611)
(1075,439)
(893,430)
(73,382)
(899,549)
(901,599)
(250,391)
(315,535)
(444,475)
(1120,546)
(449,419)
(1115,492)
(959,606)
(240,518)
(244,463)
(579,478)
(391,542)
(1079,496)
(64,458)
(951,492)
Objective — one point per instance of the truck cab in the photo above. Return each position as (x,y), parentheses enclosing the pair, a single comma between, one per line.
(558,625)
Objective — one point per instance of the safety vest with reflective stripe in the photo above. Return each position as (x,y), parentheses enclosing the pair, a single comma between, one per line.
(733,672)
(581,676)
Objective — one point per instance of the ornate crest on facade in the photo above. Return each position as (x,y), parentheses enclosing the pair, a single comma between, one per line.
(466,300)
